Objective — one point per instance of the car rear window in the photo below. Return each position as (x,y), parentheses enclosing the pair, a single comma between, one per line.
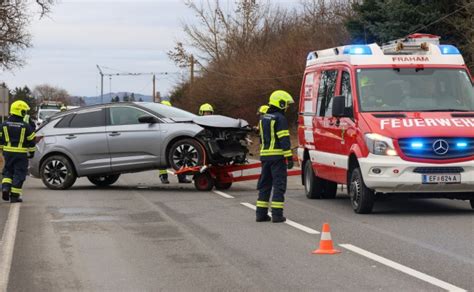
(64,122)
(86,119)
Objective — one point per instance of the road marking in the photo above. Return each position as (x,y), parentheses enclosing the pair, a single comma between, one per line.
(7,245)
(288,221)
(402,268)
(223,195)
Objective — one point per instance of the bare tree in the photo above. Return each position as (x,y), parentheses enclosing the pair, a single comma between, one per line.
(14,36)
(46,92)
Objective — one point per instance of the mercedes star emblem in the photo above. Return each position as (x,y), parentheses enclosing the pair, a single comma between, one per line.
(440,147)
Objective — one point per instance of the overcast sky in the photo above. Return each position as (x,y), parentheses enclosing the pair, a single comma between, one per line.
(130,36)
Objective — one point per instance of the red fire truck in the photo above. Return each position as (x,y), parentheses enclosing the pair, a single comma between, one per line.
(395,119)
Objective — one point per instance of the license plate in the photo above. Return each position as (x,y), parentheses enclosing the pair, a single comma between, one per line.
(441,178)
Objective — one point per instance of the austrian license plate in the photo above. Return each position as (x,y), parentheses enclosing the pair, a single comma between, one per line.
(441,178)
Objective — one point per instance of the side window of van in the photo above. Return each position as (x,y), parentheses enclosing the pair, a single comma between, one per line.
(347,92)
(326,92)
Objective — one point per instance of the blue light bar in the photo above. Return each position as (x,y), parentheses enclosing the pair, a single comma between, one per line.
(311,56)
(357,50)
(448,50)
(416,145)
(461,144)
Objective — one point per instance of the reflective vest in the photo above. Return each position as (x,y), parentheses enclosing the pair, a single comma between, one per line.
(275,136)
(17,136)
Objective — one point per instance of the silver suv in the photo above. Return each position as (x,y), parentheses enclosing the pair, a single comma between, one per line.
(104,141)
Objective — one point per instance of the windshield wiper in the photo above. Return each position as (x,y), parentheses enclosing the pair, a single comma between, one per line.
(447,110)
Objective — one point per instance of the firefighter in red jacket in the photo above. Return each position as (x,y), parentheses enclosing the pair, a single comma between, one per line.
(18,143)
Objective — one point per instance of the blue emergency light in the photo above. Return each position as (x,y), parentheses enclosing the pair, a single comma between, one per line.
(461,145)
(417,145)
(357,50)
(448,50)
(312,56)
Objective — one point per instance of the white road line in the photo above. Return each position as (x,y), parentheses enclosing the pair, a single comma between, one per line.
(223,195)
(288,221)
(402,268)
(7,245)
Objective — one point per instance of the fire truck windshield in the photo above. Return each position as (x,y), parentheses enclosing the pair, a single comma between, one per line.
(414,90)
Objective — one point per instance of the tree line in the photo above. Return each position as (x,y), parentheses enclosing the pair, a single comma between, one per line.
(242,55)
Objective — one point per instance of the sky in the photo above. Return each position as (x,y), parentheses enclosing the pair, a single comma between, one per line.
(119,35)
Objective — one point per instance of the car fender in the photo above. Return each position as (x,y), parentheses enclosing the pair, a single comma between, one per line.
(180,130)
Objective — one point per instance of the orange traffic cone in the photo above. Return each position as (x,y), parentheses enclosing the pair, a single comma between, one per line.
(325,245)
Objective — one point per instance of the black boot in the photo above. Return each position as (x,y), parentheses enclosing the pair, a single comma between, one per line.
(262,215)
(183,180)
(15,199)
(164,179)
(277,216)
(6,195)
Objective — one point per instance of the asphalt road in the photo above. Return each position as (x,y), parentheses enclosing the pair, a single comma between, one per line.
(142,236)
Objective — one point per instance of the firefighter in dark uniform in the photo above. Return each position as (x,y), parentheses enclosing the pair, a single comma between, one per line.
(276,157)
(18,143)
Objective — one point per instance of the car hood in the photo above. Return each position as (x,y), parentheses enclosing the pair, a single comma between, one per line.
(214,121)
(425,124)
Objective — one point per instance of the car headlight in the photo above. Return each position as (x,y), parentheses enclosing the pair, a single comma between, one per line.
(380,145)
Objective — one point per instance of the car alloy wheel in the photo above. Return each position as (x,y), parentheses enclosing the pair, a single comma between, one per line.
(55,172)
(185,155)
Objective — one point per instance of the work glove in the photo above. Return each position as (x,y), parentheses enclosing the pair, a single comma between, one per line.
(30,155)
(290,163)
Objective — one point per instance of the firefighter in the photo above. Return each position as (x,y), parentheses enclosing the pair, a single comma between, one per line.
(206,110)
(163,172)
(276,157)
(63,108)
(18,143)
(262,110)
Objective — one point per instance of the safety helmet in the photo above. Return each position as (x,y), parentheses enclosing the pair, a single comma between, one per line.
(281,99)
(366,81)
(263,109)
(205,108)
(19,108)
(63,108)
(166,102)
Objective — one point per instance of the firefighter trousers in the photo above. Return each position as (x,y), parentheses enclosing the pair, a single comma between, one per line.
(14,172)
(274,176)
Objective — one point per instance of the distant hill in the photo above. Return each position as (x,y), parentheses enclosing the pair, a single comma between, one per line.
(91,100)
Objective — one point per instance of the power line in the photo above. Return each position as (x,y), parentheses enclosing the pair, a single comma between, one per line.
(251,78)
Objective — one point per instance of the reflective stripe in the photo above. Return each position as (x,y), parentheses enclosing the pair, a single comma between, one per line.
(7,137)
(272,135)
(261,135)
(15,149)
(277,152)
(31,137)
(262,204)
(22,138)
(278,205)
(283,133)
(163,171)
(7,180)
(32,149)
(16,191)
(287,153)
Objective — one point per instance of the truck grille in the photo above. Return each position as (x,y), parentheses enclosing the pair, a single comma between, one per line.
(437,148)
(430,170)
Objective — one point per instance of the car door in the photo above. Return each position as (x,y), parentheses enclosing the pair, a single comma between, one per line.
(82,135)
(132,145)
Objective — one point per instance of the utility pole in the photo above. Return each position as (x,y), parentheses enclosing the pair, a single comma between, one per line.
(154,88)
(101,84)
(192,75)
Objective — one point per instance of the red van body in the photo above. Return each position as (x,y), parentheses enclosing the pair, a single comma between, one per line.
(396,119)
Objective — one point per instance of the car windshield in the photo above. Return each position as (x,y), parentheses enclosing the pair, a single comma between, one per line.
(166,111)
(414,89)
(44,114)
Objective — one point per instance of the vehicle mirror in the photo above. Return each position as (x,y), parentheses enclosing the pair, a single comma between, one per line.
(338,106)
(147,120)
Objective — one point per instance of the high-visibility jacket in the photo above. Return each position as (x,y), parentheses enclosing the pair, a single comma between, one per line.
(275,136)
(17,136)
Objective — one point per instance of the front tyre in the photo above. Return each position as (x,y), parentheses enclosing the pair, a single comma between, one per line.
(186,153)
(103,180)
(57,173)
(316,187)
(362,198)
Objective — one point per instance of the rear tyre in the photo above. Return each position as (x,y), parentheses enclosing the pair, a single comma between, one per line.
(362,198)
(57,173)
(203,182)
(223,186)
(186,153)
(104,180)
(315,187)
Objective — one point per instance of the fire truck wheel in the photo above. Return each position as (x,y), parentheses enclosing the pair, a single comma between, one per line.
(472,203)
(223,186)
(330,190)
(203,182)
(362,198)
(313,185)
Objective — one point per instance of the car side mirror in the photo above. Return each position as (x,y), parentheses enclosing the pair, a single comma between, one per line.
(147,120)
(339,106)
